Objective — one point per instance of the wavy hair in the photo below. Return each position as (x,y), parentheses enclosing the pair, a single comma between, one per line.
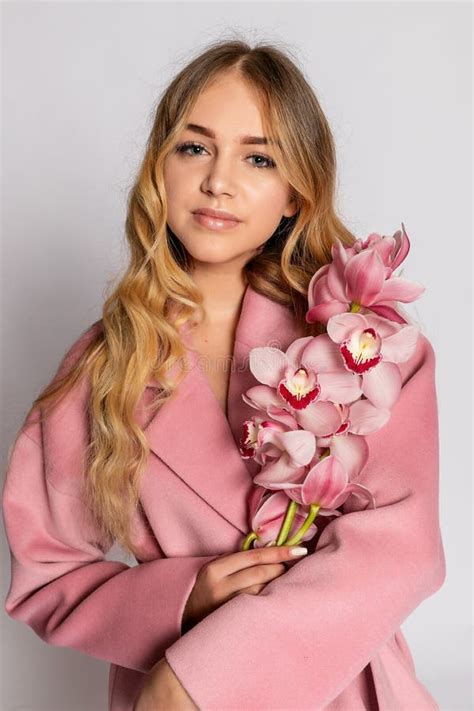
(144,310)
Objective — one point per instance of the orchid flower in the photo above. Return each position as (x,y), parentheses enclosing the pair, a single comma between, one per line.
(362,276)
(317,400)
(371,346)
(288,450)
(345,442)
(305,381)
(327,485)
(325,488)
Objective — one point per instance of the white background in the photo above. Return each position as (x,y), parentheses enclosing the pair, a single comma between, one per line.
(79,84)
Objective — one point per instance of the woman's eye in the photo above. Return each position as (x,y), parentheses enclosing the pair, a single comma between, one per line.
(269,163)
(184,148)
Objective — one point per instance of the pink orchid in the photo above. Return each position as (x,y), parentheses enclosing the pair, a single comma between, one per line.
(371,346)
(283,452)
(309,373)
(327,485)
(249,441)
(392,250)
(345,442)
(318,417)
(266,521)
(362,275)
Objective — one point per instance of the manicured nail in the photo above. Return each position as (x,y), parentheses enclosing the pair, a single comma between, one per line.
(298,550)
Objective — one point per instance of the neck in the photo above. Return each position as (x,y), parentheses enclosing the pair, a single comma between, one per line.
(222,291)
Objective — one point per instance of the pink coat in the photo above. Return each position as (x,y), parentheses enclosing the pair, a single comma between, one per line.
(324,635)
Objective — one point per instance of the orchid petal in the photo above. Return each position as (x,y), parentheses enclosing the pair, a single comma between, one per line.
(320,418)
(296,349)
(324,482)
(401,345)
(278,474)
(315,279)
(322,355)
(320,313)
(281,415)
(261,397)
(340,327)
(365,418)
(364,492)
(383,327)
(335,275)
(352,451)
(364,275)
(384,247)
(273,507)
(402,247)
(299,444)
(382,384)
(268,365)
(398,289)
(340,387)
(387,311)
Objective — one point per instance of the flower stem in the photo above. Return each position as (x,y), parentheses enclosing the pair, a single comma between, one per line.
(287,522)
(313,512)
(249,540)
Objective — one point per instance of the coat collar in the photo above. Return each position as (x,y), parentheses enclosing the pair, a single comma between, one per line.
(191,433)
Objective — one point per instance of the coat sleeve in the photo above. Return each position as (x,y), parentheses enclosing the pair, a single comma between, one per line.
(303,639)
(61,584)
(65,590)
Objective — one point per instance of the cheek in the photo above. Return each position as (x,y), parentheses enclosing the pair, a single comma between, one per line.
(176,198)
(266,205)
(268,194)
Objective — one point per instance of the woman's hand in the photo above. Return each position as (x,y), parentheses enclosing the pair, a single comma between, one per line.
(163,691)
(218,581)
(229,575)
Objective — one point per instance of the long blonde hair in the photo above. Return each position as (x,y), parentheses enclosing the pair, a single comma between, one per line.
(138,337)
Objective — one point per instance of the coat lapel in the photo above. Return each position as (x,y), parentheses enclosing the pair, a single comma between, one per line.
(191,434)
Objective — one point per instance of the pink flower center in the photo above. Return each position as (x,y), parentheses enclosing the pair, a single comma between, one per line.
(248,440)
(361,351)
(301,389)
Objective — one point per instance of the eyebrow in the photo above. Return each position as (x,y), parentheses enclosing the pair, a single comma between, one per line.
(244,140)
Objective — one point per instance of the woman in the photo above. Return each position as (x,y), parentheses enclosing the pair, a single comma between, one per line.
(117,448)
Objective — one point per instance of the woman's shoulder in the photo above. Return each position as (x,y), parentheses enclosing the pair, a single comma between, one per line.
(62,433)
(74,397)
(78,347)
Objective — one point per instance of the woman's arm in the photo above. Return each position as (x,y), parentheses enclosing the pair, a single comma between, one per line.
(61,584)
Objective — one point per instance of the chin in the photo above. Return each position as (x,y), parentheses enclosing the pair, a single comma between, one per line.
(215,255)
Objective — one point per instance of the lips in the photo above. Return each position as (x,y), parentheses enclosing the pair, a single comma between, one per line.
(217,214)
(215,223)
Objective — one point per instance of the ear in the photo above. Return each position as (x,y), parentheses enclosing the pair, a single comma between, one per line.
(291,208)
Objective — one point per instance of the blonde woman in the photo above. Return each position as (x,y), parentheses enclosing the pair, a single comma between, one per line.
(135,440)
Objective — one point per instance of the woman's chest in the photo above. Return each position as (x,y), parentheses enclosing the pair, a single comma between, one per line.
(215,346)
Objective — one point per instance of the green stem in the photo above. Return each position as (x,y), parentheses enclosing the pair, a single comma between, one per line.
(287,522)
(313,512)
(248,540)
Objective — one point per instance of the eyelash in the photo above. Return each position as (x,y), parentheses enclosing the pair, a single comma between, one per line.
(181,148)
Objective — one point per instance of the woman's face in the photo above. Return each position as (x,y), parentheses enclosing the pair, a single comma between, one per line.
(220,172)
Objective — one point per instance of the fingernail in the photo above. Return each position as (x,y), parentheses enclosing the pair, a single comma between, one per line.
(298,550)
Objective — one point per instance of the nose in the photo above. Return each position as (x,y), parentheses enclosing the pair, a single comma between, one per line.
(219,176)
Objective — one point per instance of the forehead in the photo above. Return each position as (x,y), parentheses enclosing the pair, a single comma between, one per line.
(228,108)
